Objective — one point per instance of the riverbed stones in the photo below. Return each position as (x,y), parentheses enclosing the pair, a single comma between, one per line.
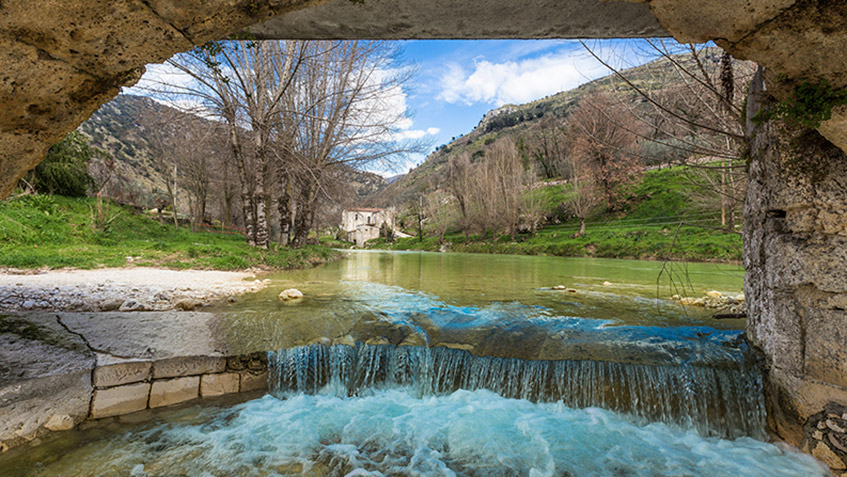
(60,422)
(111,304)
(125,290)
(290,294)
(187,304)
(174,391)
(119,400)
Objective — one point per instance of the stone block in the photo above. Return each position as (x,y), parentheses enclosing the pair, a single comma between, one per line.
(174,391)
(188,366)
(823,453)
(60,422)
(115,371)
(119,400)
(219,384)
(254,382)
(826,353)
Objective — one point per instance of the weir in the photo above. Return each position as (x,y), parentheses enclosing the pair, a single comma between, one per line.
(725,401)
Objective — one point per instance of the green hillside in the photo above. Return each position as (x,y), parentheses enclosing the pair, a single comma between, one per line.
(515,121)
(659,221)
(55,231)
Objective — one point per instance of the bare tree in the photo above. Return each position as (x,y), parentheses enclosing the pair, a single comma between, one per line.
(459,184)
(440,212)
(604,141)
(340,115)
(582,182)
(698,121)
(548,144)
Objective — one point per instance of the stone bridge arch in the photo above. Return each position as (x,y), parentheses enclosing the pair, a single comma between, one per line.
(62,59)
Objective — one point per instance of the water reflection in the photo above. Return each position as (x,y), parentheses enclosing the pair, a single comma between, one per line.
(492,305)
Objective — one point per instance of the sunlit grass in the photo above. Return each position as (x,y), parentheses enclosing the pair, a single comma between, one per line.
(55,231)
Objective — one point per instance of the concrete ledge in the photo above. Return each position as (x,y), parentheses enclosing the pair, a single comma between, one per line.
(61,369)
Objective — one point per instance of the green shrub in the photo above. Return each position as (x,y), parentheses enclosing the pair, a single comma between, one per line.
(65,169)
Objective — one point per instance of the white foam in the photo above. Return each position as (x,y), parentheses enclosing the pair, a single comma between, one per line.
(464,433)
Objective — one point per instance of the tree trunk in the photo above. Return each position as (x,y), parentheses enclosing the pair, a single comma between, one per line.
(284,208)
(246,202)
(581,230)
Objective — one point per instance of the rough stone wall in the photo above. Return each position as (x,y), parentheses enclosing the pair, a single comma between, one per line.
(62,59)
(795,255)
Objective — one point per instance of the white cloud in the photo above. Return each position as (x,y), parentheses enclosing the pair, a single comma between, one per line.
(433,131)
(159,77)
(518,81)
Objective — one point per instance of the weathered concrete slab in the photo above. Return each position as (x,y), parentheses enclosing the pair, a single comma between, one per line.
(149,335)
(174,391)
(45,376)
(120,400)
(58,369)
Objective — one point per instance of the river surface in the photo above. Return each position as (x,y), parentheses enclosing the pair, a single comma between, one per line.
(398,363)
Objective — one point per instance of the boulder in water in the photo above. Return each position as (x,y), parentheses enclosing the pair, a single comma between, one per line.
(290,294)
(187,304)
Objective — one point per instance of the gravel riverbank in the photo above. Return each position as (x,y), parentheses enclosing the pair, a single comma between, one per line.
(120,289)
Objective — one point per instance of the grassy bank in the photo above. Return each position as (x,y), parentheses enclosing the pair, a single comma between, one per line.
(55,231)
(647,227)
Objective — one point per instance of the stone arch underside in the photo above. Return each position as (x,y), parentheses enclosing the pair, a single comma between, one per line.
(62,59)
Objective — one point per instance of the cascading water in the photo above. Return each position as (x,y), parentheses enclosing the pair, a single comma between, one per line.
(607,383)
(719,401)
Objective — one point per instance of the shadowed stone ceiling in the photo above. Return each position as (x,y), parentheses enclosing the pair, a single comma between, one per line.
(476,19)
(61,59)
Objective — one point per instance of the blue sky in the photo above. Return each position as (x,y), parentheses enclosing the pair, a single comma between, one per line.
(458,81)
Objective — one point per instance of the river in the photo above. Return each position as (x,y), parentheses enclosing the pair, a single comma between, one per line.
(398,363)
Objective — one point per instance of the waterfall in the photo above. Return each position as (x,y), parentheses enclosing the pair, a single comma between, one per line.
(722,401)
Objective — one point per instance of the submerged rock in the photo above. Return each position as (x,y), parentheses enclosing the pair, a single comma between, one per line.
(714,300)
(187,304)
(111,304)
(290,294)
(133,305)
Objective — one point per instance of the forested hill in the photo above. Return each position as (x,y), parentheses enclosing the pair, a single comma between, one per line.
(125,128)
(132,128)
(519,121)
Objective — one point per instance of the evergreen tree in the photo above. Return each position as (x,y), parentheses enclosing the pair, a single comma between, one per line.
(65,170)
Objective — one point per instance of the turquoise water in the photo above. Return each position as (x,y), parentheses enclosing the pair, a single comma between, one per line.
(473,366)
(396,432)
